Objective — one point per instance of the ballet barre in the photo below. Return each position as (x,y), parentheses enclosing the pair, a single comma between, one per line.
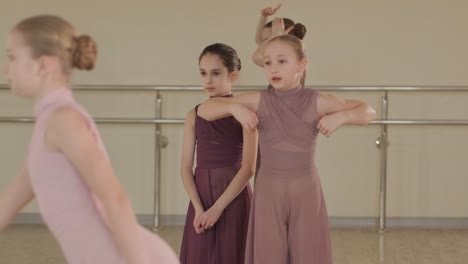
(181,121)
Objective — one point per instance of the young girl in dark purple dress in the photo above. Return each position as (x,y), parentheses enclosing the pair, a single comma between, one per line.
(220,195)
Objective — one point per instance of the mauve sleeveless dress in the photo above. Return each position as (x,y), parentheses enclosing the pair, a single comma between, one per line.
(288,221)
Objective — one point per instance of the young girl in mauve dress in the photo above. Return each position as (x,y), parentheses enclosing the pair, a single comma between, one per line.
(288,222)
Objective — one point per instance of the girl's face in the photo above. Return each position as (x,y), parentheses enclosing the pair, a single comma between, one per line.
(215,77)
(282,66)
(22,70)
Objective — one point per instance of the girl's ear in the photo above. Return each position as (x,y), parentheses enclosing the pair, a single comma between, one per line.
(45,64)
(303,64)
(233,76)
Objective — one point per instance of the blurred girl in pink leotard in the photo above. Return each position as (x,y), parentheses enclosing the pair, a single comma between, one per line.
(67,168)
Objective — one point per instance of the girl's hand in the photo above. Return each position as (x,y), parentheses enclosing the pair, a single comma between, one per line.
(268,11)
(245,116)
(277,28)
(209,218)
(196,222)
(330,123)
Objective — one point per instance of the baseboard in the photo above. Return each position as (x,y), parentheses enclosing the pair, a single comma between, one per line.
(399,222)
(335,222)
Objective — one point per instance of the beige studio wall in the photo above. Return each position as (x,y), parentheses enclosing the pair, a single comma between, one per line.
(362,43)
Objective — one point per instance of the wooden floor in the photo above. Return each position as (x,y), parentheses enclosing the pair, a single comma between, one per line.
(33,244)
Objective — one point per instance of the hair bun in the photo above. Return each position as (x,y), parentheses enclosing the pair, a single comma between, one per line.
(299,31)
(85,53)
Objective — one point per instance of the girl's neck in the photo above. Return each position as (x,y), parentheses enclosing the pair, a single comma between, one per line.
(51,85)
(226,93)
(293,86)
